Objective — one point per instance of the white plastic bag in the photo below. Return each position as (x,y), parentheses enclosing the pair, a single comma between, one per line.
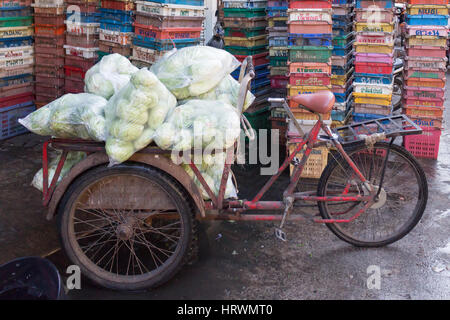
(199,124)
(192,71)
(134,113)
(108,76)
(70,116)
(72,159)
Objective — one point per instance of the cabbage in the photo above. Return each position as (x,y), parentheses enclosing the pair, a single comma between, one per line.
(134,113)
(72,159)
(108,76)
(192,71)
(70,116)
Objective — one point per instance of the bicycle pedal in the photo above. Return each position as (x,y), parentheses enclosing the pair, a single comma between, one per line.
(280,235)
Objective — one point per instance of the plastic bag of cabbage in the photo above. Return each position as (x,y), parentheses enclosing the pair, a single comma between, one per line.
(199,124)
(134,113)
(227,91)
(108,76)
(192,71)
(70,116)
(72,159)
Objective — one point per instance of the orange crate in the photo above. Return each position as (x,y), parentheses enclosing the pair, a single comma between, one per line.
(423,111)
(426,82)
(48,30)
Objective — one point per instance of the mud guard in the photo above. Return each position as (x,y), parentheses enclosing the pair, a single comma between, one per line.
(158,161)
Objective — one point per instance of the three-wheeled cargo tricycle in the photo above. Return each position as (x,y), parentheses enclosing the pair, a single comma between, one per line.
(133,225)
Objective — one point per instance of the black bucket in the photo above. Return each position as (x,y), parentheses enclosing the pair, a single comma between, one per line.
(30,278)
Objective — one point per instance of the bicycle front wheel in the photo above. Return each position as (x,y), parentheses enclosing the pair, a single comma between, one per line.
(401,202)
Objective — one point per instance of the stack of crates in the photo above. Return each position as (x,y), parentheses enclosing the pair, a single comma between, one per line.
(342,60)
(279,70)
(163,25)
(16,65)
(374,59)
(310,29)
(49,40)
(116,27)
(245,27)
(424,78)
(81,42)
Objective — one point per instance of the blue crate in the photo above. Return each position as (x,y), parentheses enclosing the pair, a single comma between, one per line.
(16,42)
(386,4)
(83,17)
(277,11)
(362,117)
(116,15)
(340,51)
(9,126)
(164,45)
(342,31)
(263,68)
(342,21)
(343,97)
(343,1)
(16,80)
(427,20)
(15,12)
(184,2)
(373,78)
(116,26)
(262,89)
(338,115)
(319,39)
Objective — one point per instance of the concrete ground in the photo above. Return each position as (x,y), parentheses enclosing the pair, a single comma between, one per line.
(244,260)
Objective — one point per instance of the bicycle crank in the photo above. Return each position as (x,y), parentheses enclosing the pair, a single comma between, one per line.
(288,205)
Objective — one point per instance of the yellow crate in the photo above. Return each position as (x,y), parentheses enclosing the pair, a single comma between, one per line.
(303,114)
(374,27)
(14,32)
(316,163)
(373,98)
(271,22)
(374,48)
(341,80)
(419,9)
(246,42)
(295,90)
(427,41)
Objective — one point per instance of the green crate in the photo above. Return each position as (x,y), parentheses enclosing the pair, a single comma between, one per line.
(101,54)
(244,13)
(246,51)
(278,61)
(253,32)
(16,21)
(259,119)
(310,54)
(342,41)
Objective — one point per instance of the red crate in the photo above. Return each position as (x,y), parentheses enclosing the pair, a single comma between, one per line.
(82,40)
(78,62)
(258,59)
(309,79)
(417,111)
(48,91)
(16,89)
(441,2)
(279,82)
(73,85)
(49,49)
(48,30)
(117,5)
(49,19)
(426,51)
(53,71)
(425,145)
(12,100)
(424,102)
(49,81)
(168,33)
(308,4)
(111,47)
(169,22)
(49,60)
(428,122)
(89,7)
(373,68)
(73,72)
(281,125)
(49,41)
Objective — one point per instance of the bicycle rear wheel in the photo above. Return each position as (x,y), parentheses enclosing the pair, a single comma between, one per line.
(402,199)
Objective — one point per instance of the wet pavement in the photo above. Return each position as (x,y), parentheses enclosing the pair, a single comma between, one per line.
(244,260)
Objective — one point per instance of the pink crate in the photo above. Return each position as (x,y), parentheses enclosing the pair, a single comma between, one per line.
(435,31)
(424,102)
(425,73)
(374,58)
(425,145)
(278,82)
(375,37)
(427,122)
(424,92)
(73,85)
(383,15)
(82,40)
(426,63)
(426,51)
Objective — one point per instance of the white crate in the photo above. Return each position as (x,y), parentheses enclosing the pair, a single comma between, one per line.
(245,4)
(86,53)
(147,55)
(16,52)
(15,71)
(309,15)
(169,10)
(7,63)
(373,88)
(80,28)
(49,3)
(123,38)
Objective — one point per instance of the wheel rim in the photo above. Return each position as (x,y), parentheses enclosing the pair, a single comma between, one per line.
(393,213)
(121,238)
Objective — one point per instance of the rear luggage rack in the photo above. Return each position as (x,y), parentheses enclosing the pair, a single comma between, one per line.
(389,127)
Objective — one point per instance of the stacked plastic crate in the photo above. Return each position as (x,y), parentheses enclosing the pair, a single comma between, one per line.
(279,71)
(116,27)
(81,42)
(49,31)
(16,65)
(374,59)
(342,60)
(162,25)
(310,50)
(424,91)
